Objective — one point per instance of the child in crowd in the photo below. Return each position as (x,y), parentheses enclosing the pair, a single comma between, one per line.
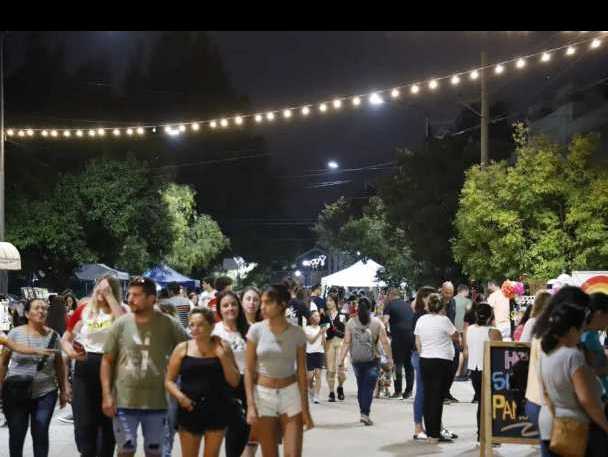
(315,342)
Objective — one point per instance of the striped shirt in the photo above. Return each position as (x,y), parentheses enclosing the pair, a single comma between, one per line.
(182,306)
(45,380)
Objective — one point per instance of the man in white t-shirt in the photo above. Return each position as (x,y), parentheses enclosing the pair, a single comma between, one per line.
(208,292)
(500,304)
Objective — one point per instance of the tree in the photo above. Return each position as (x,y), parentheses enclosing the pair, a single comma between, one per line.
(546,214)
(197,238)
(110,212)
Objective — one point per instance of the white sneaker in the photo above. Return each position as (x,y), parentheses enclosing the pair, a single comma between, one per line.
(315,400)
(420,437)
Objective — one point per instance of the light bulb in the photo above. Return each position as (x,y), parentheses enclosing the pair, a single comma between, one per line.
(395,93)
(521,63)
(322,107)
(129,131)
(45,133)
(213,124)
(455,79)
(101,132)
(21,133)
(66,133)
(305,111)
(79,133)
(116,132)
(92,133)
(196,127)
(546,57)
(140,130)
(224,123)
(168,129)
(499,69)
(30,132)
(258,118)
(474,74)
(270,116)
(10,132)
(595,43)
(433,84)
(286,113)
(337,103)
(570,51)
(182,128)
(375,99)
(238,120)
(356,101)
(415,89)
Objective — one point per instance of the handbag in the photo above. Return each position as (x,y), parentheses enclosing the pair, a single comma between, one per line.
(569,436)
(18,388)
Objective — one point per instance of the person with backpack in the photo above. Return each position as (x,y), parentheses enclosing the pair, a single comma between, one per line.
(361,338)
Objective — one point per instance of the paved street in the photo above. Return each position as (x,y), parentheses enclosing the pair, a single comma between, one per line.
(339,433)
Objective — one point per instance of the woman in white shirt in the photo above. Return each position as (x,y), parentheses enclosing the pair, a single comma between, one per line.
(435,335)
(233,330)
(540,302)
(476,337)
(315,341)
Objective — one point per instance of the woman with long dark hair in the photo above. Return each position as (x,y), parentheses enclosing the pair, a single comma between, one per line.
(363,332)
(232,329)
(250,302)
(571,389)
(333,344)
(45,375)
(420,309)
(275,377)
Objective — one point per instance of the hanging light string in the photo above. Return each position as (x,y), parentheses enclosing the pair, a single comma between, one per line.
(378,97)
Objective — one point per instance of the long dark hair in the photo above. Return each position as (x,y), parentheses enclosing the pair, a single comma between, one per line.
(422,293)
(561,320)
(241,321)
(278,293)
(483,314)
(566,295)
(363,309)
(334,297)
(258,313)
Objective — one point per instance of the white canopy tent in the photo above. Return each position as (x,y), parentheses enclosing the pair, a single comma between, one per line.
(359,274)
(9,257)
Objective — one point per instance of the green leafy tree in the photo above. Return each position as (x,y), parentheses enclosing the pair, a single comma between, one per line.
(197,238)
(545,214)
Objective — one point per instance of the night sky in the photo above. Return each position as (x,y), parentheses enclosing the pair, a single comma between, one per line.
(280,69)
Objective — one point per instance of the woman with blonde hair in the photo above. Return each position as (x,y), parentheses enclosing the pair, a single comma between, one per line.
(540,302)
(84,344)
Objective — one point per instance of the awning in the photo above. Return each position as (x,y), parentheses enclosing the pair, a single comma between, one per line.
(92,271)
(9,257)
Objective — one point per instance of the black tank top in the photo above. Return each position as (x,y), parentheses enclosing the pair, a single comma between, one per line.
(203,377)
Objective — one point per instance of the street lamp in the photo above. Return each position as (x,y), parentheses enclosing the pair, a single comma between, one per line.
(333,165)
(298,273)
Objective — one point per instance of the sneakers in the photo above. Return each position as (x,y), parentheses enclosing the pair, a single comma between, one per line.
(332,397)
(447,434)
(445,439)
(420,437)
(366,420)
(315,399)
(340,393)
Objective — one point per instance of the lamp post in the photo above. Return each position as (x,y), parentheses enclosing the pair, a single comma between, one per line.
(3,274)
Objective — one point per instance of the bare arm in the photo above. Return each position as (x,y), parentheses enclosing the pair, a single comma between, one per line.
(385,343)
(312,339)
(345,346)
(250,379)
(582,380)
(24,349)
(175,363)
(5,358)
(108,403)
(231,372)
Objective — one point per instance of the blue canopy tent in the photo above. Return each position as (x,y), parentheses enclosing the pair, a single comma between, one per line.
(163,275)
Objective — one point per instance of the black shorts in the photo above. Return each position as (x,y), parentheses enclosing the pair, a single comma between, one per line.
(314,361)
(208,414)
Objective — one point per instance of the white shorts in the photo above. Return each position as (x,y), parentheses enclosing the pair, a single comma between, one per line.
(276,402)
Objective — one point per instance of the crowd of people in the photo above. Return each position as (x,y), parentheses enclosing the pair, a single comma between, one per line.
(241,369)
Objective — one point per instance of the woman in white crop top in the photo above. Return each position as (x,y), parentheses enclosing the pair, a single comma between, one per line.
(275,377)
(475,340)
(84,344)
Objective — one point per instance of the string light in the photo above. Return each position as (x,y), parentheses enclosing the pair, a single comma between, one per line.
(374,98)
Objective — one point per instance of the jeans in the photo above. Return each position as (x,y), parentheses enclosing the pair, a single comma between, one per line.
(436,375)
(532,411)
(367,374)
(92,429)
(170,426)
(476,378)
(40,410)
(419,396)
(401,347)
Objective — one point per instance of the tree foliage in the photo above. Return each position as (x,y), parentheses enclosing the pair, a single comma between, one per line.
(546,214)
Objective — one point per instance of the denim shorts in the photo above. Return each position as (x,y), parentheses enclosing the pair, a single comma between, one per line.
(276,402)
(126,422)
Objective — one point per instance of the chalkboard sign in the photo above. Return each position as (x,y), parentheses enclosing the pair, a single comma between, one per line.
(505,376)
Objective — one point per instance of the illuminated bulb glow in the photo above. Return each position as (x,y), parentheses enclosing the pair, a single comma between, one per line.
(21,133)
(395,93)
(415,89)
(10,132)
(91,132)
(224,123)
(570,51)
(375,99)
(182,128)
(521,63)
(258,118)
(129,131)
(238,120)
(45,133)
(546,57)
(433,84)
(337,103)
(79,133)
(287,113)
(54,133)
(455,79)
(140,130)
(195,126)
(116,132)
(356,101)
(499,69)
(30,132)
(270,116)
(101,132)
(305,111)
(67,133)
(474,74)
(595,44)
(322,107)
(213,124)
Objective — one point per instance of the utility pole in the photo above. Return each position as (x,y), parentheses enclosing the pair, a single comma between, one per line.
(3,274)
(485,112)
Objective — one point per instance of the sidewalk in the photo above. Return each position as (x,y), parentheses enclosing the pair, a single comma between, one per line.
(338,431)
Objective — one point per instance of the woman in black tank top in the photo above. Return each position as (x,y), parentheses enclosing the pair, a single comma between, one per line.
(207,370)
